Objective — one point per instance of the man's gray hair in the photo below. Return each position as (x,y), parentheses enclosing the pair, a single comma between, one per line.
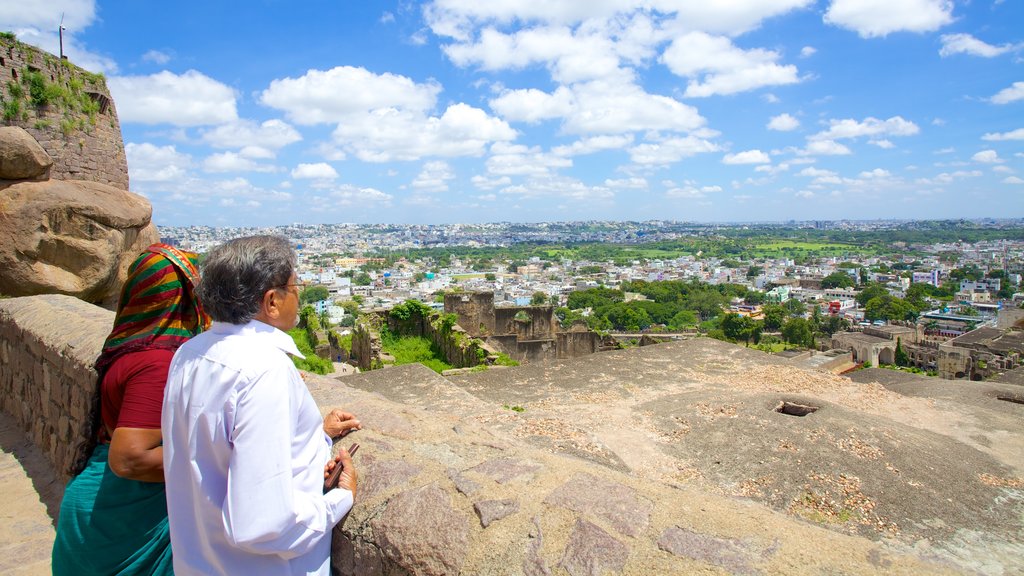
(236,275)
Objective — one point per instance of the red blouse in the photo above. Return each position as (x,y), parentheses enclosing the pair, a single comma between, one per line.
(133,390)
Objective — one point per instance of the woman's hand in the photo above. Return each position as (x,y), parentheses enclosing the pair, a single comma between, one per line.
(338,423)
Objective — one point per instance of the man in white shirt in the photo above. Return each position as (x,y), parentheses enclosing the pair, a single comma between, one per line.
(245,448)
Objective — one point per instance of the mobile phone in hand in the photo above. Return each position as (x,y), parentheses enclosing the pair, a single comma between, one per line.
(332,481)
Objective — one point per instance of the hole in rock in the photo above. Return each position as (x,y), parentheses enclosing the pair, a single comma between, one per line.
(794,409)
(1014,399)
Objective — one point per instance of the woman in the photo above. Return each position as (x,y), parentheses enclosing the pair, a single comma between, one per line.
(113,519)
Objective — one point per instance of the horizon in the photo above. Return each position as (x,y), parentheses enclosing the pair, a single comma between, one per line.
(447,112)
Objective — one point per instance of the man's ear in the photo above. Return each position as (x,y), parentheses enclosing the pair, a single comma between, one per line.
(271,303)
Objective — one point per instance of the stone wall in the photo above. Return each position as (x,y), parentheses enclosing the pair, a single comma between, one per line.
(47,348)
(84,144)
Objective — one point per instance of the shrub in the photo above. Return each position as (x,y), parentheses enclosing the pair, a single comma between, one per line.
(12,110)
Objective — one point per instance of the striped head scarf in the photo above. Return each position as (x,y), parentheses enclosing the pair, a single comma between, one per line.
(157,307)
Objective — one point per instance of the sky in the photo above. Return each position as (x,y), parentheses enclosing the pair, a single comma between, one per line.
(274,112)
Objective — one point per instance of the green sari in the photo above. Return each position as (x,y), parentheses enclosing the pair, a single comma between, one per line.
(110,525)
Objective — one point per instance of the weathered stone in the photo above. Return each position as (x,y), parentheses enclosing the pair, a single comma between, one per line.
(533,563)
(420,532)
(71,237)
(614,503)
(462,483)
(491,510)
(722,552)
(504,470)
(592,552)
(379,476)
(21,157)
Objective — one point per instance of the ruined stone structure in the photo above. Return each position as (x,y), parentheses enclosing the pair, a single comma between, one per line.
(77,125)
(980,353)
(733,461)
(525,333)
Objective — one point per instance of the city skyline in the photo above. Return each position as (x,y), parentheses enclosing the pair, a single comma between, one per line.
(451,111)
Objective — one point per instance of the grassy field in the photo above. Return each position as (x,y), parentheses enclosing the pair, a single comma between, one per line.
(411,349)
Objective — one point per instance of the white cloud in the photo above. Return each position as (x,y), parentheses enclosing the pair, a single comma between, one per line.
(532,105)
(1011,94)
(805,194)
(317,171)
(389,134)
(554,186)
(614,108)
(871,127)
(485,183)
(883,143)
(634,183)
(783,123)
(987,157)
(156,57)
(433,177)
(270,135)
(877,173)
(347,195)
(878,18)
(593,144)
(189,99)
(1013,180)
(826,148)
(671,150)
(967,44)
(716,67)
(1017,134)
(690,191)
(233,162)
(808,51)
(338,94)
(816,173)
(149,163)
(518,160)
(747,157)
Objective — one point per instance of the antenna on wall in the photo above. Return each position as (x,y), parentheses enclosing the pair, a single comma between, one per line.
(60,32)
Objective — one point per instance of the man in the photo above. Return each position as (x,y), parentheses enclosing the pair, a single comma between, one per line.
(245,449)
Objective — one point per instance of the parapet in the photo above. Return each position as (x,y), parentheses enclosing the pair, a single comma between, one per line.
(593,474)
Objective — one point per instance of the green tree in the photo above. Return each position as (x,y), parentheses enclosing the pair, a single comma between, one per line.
(901,355)
(832,324)
(798,331)
(706,302)
(683,319)
(490,277)
(870,291)
(774,316)
(313,294)
(362,279)
(837,280)
(794,307)
(737,327)
(754,271)
(538,299)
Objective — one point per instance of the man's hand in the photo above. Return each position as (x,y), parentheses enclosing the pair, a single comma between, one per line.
(339,423)
(347,480)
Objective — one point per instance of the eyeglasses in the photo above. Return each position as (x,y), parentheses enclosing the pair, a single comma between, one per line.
(286,286)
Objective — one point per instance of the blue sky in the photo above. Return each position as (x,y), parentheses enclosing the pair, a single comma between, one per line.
(272,112)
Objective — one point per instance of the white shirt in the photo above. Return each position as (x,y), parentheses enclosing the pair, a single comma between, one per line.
(244,456)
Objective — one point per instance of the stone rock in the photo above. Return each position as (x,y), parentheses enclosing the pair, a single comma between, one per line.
(378,476)
(723,552)
(70,237)
(421,532)
(492,510)
(462,483)
(504,470)
(592,552)
(533,563)
(614,503)
(21,157)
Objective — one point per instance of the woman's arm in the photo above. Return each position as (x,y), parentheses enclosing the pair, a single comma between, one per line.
(137,454)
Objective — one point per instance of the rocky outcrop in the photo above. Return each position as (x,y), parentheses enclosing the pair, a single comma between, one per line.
(21,157)
(70,237)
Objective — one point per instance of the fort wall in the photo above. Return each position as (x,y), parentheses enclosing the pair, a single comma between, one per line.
(68,110)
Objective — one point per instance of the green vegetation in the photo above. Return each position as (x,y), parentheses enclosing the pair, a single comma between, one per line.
(313,294)
(312,362)
(411,349)
(514,408)
(10,36)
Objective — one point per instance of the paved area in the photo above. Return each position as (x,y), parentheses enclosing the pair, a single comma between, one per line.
(29,504)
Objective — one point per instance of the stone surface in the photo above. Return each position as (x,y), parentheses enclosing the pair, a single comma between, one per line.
(492,510)
(533,563)
(462,483)
(379,476)
(614,503)
(21,157)
(592,552)
(420,532)
(724,552)
(505,470)
(70,237)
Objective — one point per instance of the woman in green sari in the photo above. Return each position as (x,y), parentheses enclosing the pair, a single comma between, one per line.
(113,519)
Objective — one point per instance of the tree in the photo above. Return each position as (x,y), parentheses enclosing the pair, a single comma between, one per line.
(490,277)
(754,271)
(738,327)
(362,279)
(538,299)
(313,294)
(795,307)
(832,324)
(754,297)
(798,331)
(837,280)
(870,291)
(774,316)
(683,319)
(707,302)
(901,355)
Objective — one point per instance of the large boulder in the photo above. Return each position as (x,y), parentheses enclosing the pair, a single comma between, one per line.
(70,237)
(21,157)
